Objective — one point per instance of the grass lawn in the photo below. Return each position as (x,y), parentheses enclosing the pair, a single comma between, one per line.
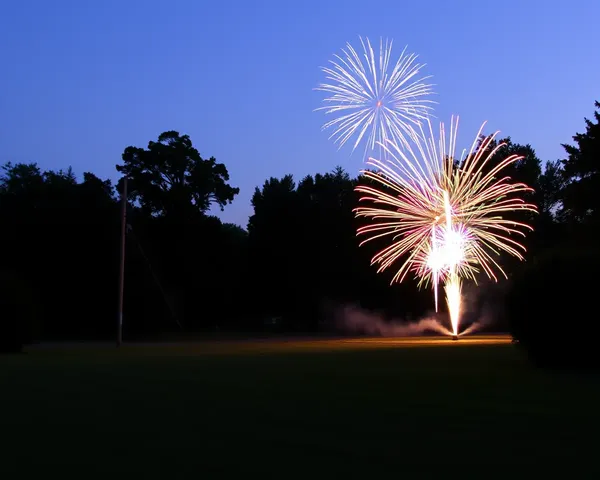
(167,412)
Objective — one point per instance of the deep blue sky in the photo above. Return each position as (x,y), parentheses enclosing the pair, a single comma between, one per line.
(82,80)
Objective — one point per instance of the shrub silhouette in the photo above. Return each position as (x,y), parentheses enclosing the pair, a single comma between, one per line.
(18,319)
(551,309)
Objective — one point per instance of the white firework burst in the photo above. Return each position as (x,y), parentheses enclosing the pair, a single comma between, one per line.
(371,101)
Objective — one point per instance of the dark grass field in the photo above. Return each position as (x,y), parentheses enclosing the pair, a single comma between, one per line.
(468,411)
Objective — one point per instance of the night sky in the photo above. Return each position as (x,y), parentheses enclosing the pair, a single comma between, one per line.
(82,80)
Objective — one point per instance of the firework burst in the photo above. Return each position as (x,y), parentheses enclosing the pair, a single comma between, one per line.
(445,219)
(372,100)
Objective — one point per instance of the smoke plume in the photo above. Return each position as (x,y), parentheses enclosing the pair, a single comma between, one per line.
(356,320)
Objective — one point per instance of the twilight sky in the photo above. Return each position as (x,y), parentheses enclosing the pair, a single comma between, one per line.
(82,80)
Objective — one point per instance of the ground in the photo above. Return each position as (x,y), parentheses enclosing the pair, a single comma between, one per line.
(295,409)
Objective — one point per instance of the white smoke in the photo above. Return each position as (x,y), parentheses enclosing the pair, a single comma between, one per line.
(353,319)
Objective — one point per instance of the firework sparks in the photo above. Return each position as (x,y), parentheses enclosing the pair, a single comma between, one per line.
(445,222)
(371,101)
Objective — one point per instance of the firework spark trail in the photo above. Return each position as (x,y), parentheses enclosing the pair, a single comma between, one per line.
(453,299)
(445,222)
(370,100)
(448,256)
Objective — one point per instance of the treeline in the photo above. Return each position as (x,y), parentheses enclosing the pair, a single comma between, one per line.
(187,271)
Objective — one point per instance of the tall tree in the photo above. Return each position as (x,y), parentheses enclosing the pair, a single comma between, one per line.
(550,185)
(274,230)
(580,199)
(304,252)
(171,178)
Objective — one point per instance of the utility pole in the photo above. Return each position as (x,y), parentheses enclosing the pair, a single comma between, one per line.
(122,262)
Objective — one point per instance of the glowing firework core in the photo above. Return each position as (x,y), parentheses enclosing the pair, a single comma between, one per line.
(447,222)
(453,299)
(446,253)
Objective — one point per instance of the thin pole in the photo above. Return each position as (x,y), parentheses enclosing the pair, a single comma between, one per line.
(122,261)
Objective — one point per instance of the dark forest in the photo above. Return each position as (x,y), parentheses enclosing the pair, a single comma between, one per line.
(293,265)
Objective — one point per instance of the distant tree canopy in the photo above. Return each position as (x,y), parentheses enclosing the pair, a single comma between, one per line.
(298,235)
(171,178)
(304,248)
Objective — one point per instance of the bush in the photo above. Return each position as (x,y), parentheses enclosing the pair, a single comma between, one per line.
(551,309)
(11,340)
(18,320)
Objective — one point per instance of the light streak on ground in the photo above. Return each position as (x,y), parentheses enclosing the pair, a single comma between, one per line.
(275,346)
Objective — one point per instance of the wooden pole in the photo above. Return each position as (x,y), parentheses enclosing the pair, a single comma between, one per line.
(122,262)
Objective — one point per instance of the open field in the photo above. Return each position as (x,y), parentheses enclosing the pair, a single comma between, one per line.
(352,408)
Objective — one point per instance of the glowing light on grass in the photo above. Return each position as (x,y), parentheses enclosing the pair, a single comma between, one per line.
(443,222)
(371,99)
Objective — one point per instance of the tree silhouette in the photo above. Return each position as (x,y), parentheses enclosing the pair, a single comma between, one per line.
(299,256)
(170,177)
(59,239)
(580,199)
(550,186)
(526,170)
